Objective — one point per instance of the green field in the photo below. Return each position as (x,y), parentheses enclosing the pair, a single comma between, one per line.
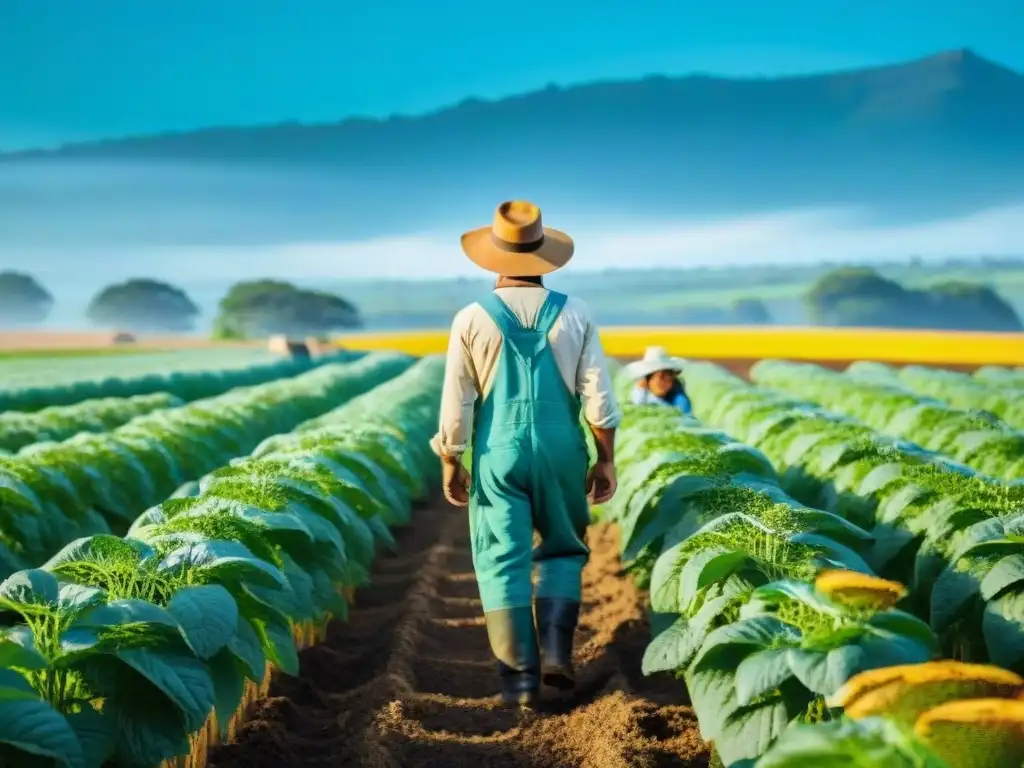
(831,563)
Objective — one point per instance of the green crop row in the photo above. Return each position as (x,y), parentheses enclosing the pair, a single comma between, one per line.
(997,374)
(730,561)
(118,650)
(60,422)
(51,493)
(187,385)
(948,533)
(975,438)
(1004,399)
(994,390)
(770,609)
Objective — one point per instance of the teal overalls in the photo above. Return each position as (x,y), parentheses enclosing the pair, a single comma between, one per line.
(529,470)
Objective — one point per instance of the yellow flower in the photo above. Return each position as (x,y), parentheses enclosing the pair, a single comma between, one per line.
(859,589)
(902,693)
(975,733)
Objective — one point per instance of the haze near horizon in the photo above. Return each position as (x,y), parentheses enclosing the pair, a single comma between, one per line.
(881,149)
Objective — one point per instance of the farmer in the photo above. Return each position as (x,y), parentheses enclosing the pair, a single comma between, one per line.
(521,364)
(657,380)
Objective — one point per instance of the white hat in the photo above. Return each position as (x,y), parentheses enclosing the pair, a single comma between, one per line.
(655,359)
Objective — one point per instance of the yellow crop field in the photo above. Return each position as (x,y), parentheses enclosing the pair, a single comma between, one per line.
(794,343)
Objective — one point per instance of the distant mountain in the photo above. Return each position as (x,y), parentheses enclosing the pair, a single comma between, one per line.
(931,137)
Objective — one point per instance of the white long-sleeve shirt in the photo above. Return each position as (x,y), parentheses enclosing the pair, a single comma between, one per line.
(474,348)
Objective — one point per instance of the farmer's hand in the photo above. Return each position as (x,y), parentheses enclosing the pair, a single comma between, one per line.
(455,481)
(601,482)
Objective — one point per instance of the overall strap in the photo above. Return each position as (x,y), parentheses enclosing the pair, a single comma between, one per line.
(549,312)
(502,316)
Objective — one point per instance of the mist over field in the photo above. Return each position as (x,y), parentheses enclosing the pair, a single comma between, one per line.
(918,160)
(74,273)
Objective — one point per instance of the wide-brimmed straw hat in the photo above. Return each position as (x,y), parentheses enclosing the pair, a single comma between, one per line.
(655,359)
(517,244)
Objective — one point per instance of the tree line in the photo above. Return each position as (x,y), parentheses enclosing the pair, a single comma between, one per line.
(854,296)
(861,297)
(249,309)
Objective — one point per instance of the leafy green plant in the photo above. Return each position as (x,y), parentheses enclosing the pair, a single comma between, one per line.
(791,647)
(97,482)
(120,648)
(921,508)
(845,743)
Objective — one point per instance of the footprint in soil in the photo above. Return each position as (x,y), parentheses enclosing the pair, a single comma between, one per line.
(430,698)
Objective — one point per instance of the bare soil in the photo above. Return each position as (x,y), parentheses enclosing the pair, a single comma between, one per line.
(410,681)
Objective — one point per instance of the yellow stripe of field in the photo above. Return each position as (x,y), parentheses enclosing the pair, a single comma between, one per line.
(752,343)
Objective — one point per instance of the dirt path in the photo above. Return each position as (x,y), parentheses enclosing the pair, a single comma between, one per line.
(409,680)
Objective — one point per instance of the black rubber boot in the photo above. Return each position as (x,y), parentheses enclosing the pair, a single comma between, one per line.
(513,640)
(556,625)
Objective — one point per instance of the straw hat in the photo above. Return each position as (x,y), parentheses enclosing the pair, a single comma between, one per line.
(517,244)
(655,359)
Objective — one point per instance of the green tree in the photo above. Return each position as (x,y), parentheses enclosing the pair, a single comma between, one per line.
(972,306)
(862,297)
(264,307)
(751,312)
(840,297)
(142,304)
(23,299)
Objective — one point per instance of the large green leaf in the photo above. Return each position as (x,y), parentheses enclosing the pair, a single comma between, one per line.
(97,549)
(73,599)
(849,744)
(228,678)
(712,677)
(744,637)
(118,612)
(780,592)
(674,647)
(33,726)
(824,672)
(761,673)
(674,577)
(904,624)
(1008,572)
(247,647)
(719,568)
(12,681)
(951,596)
(740,731)
(279,645)
(1003,628)
(748,731)
(97,734)
(892,544)
(882,648)
(655,518)
(29,592)
(207,615)
(837,554)
(18,649)
(148,732)
(183,679)
(224,562)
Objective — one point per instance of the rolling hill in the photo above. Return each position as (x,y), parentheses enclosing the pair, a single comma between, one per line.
(932,137)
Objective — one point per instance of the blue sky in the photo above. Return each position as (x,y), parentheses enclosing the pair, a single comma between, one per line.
(80,69)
